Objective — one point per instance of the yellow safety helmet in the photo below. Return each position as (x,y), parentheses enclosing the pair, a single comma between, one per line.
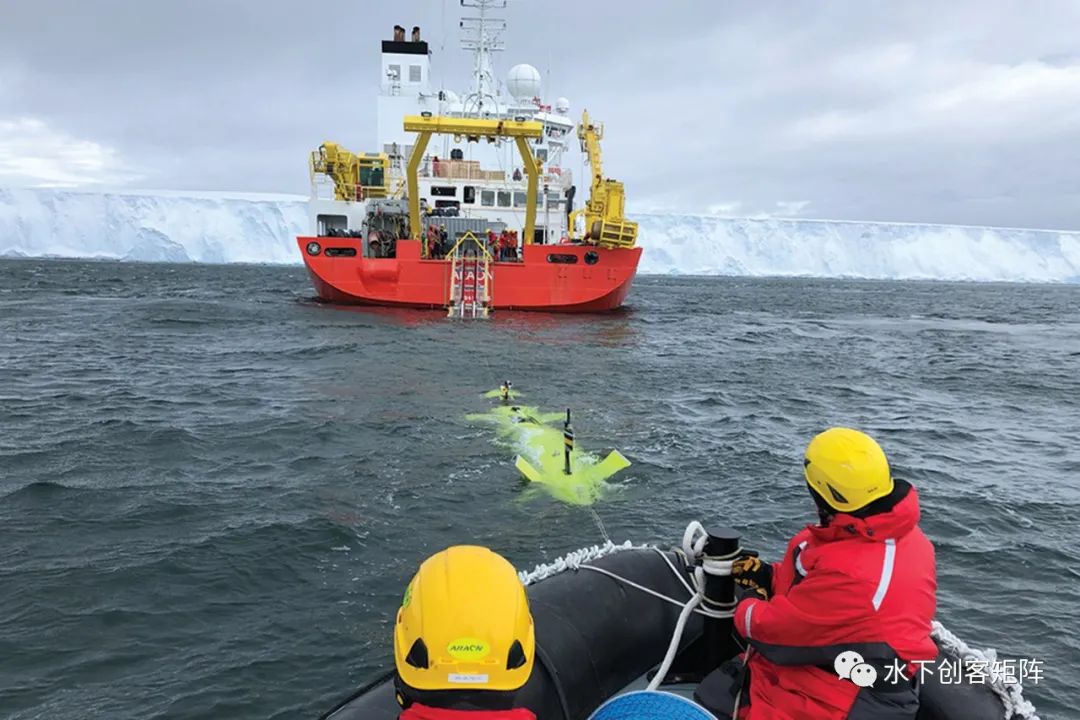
(464,624)
(847,469)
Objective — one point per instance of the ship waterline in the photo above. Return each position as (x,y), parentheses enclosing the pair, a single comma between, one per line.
(553,278)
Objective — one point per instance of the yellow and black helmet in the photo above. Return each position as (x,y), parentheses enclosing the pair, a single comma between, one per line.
(847,469)
(464,628)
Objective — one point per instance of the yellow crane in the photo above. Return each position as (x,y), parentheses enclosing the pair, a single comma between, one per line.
(605,222)
(355,177)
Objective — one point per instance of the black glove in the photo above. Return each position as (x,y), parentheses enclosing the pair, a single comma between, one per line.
(750,572)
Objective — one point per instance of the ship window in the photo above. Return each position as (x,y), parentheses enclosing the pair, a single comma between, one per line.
(414,73)
(394,71)
(444,190)
(487,198)
(553,199)
(447,203)
(562,258)
(504,198)
(519,199)
(541,154)
(470,194)
(331,222)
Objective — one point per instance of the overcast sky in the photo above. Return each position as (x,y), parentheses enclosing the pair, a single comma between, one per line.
(957,111)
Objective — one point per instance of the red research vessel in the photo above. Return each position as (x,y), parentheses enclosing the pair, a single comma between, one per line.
(467,206)
(534,283)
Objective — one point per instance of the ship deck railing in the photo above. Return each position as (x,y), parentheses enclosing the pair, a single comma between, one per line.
(324,188)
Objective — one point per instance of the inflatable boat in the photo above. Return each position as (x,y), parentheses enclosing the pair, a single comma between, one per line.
(609,619)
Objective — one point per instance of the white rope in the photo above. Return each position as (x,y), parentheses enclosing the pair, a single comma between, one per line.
(676,638)
(1011,694)
(694,539)
(578,559)
(575,560)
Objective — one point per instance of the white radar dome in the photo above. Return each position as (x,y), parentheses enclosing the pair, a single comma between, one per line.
(562,105)
(523,82)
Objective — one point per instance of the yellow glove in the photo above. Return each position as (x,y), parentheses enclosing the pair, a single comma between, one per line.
(750,572)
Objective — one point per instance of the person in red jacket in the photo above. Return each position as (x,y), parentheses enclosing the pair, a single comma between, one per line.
(504,244)
(432,238)
(512,245)
(464,642)
(860,583)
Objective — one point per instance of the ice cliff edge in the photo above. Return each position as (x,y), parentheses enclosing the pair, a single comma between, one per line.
(229,228)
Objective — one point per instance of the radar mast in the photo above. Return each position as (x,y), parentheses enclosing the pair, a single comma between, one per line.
(483,36)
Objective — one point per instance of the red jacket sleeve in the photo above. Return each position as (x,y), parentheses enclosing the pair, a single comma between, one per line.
(814,613)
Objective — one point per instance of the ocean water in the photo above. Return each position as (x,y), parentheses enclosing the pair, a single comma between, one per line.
(213,489)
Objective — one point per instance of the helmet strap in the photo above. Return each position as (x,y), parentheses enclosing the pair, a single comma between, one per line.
(824,511)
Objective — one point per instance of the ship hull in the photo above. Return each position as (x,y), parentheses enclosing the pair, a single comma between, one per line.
(551,278)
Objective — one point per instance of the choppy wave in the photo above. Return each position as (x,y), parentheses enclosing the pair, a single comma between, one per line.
(212,495)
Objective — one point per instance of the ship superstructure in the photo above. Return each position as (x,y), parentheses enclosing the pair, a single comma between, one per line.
(487,182)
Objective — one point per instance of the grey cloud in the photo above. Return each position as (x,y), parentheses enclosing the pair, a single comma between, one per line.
(947,112)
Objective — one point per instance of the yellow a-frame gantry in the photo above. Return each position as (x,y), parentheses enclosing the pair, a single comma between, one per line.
(473,129)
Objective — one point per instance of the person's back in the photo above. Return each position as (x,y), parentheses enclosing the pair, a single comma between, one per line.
(861,581)
(859,585)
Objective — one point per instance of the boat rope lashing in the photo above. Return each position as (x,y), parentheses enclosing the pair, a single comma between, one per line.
(578,559)
(676,638)
(1017,707)
(574,560)
(694,545)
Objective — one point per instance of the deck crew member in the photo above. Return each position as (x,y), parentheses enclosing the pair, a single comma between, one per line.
(431,240)
(464,642)
(512,245)
(862,579)
(444,241)
(504,244)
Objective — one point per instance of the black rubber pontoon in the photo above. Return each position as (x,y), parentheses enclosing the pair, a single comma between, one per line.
(597,636)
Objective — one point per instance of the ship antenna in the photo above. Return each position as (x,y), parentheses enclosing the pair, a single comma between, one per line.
(482,35)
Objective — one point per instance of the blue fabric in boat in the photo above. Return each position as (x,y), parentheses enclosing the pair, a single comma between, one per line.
(650,705)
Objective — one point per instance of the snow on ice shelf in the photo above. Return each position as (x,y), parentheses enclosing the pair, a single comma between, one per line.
(233,227)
